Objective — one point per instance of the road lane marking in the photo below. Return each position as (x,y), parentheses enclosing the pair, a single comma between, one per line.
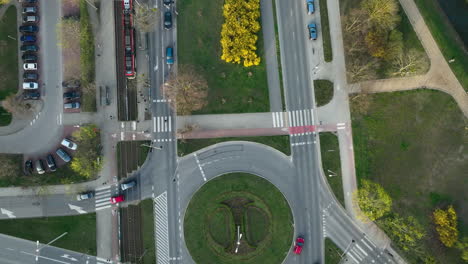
(364,242)
(102,200)
(154,124)
(122,135)
(281,115)
(104,207)
(8,213)
(273,114)
(77,208)
(353,257)
(290,119)
(37,256)
(360,248)
(161,228)
(199,166)
(103,188)
(69,257)
(357,254)
(302,120)
(170,127)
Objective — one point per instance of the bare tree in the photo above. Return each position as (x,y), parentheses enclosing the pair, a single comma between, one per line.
(409,63)
(16,105)
(187,90)
(146,18)
(383,14)
(362,68)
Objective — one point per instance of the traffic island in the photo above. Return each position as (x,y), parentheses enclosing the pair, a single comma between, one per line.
(236,218)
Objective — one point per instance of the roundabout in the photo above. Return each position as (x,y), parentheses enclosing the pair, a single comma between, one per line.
(238,217)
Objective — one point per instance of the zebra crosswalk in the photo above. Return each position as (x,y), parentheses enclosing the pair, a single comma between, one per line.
(161,228)
(162,124)
(102,197)
(294,118)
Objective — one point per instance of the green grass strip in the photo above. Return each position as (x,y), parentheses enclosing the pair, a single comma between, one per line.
(327,48)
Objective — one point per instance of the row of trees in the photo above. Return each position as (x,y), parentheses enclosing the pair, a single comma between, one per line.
(239,32)
(372,41)
(87,160)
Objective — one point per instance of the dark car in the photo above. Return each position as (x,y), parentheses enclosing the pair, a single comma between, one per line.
(51,163)
(29,48)
(167,2)
(312,31)
(63,155)
(30,1)
(71,95)
(29,57)
(167,20)
(30,76)
(28,38)
(28,167)
(31,96)
(29,29)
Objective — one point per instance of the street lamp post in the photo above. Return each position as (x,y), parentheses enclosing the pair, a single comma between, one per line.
(53,240)
(347,248)
(148,146)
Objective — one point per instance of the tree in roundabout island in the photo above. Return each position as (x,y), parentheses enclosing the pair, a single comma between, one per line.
(235,204)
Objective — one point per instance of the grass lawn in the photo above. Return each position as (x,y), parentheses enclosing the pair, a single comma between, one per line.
(323,92)
(87,59)
(327,48)
(81,230)
(414,144)
(234,190)
(231,89)
(148,230)
(445,36)
(330,152)
(5,117)
(9,54)
(278,53)
(188,146)
(332,252)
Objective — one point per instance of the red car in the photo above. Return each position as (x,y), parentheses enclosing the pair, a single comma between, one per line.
(117,199)
(298,245)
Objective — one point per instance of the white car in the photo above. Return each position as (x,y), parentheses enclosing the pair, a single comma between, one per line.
(30,66)
(30,85)
(69,144)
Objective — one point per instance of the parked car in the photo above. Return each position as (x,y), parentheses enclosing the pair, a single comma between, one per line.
(28,167)
(298,245)
(40,166)
(310,7)
(71,95)
(167,2)
(30,66)
(30,85)
(29,57)
(127,185)
(167,20)
(312,31)
(28,38)
(84,196)
(117,199)
(69,144)
(169,55)
(30,19)
(30,1)
(29,48)
(29,29)
(63,155)
(30,10)
(51,163)
(30,76)
(72,105)
(31,96)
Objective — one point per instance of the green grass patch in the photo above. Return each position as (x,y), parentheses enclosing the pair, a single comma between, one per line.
(446,38)
(323,92)
(327,48)
(9,54)
(330,151)
(278,54)
(232,88)
(147,217)
(188,146)
(236,189)
(257,223)
(5,117)
(81,230)
(219,222)
(414,144)
(88,99)
(332,252)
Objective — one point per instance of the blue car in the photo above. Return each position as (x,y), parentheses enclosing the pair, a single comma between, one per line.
(312,31)
(28,38)
(310,7)
(169,55)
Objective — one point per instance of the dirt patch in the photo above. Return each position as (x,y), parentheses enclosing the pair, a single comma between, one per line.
(71,8)
(70,42)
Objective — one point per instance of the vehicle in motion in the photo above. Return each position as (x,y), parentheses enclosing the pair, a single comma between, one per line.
(29,48)
(28,38)
(312,31)
(71,95)
(63,155)
(167,20)
(117,199)
(72,105)
(30,19)
(40,166)
(69,144)
(28,167)
(30,76)
(30,1)
(128,39)
(30,66)
(310,7)
(29,29)
(84,196)
(169,55)
(127,185)
(30,85)
(51,163)
(30,10)
(31,96)
(167,3)
(29,57)
(298,245)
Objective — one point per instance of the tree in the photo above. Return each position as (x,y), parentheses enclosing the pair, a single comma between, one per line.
(408,63)
(376,44)
(146,18)
(373,200)
(446,225)
(462,245)
(16,105)
(383,14)
(187,90)
(394,45)
(87,160)
(361,68)
(4,2)
(405,232)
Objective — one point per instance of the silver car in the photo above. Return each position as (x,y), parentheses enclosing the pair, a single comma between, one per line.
(84,196)
(127,185)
